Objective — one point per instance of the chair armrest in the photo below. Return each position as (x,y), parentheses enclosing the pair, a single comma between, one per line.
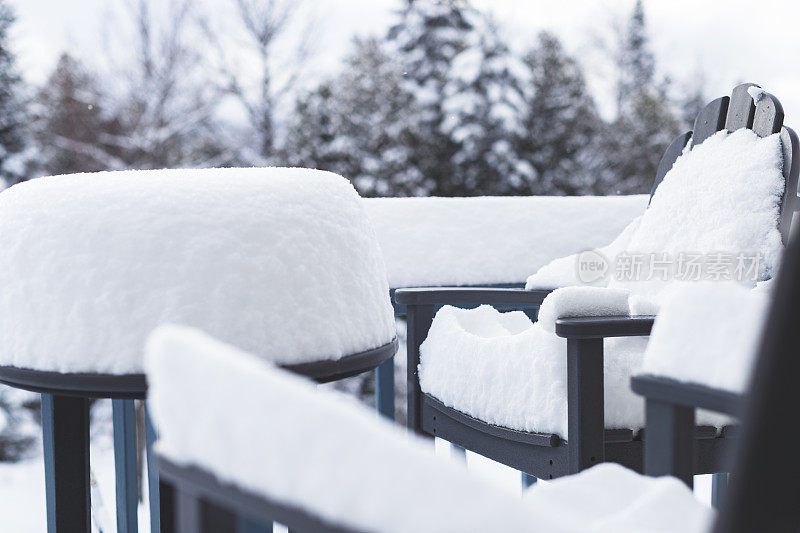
(673,392)
(598,327)
(519,298)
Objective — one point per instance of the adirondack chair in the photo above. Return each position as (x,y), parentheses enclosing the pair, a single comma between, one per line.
(764,455)
(210,491)
(548,456)
(66,395)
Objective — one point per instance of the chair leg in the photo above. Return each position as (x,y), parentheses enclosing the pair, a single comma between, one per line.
(458,453)
(585,406)
(188,519)
(65,435)
(384,388)
(153,488)
(669,441)
(719,487)
(247,525)
(527,480)
(124,419)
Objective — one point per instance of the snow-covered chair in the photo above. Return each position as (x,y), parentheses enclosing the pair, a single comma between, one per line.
(580,436)
(281,262)
(273,448)
(742,363)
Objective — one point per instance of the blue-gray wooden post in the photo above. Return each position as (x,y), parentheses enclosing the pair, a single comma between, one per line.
(124,419)
(527,480)
(65,439)
(154,494)
(247,525)
(719,486)
(384,388)
(458,453)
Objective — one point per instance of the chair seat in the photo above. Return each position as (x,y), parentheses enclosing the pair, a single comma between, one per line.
(281,262)
(504,370)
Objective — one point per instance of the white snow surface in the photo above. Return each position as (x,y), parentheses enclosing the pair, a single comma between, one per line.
(723,196)
(756,93)
(324,452)
(708,334)
(484,240)
(505,370)
(281,262)
(573,302)
(608,497)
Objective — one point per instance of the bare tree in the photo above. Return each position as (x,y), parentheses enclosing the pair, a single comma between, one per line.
(165,112)
(279,44)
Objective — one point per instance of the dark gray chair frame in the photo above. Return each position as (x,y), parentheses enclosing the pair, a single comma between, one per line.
(65,431)
(548,456)
(764,460)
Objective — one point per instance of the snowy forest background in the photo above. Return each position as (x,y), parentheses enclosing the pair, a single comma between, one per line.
(439,105)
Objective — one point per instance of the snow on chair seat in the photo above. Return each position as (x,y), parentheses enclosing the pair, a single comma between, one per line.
(274,446)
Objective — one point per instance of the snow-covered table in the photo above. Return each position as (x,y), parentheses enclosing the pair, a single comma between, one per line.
(281,262)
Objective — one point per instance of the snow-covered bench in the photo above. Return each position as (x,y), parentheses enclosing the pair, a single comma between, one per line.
(281,262)
(518,392)
(271,447)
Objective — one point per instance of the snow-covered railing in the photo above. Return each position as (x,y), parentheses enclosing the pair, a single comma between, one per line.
(491,240)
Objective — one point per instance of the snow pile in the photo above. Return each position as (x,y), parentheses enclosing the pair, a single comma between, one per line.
(328,454)
(609,497)
(707,334)
(721,199)
(315,449)
(563,272)
(281,262)
(505,370)
(722,196)
(581,302)
(478,241)
(756,93)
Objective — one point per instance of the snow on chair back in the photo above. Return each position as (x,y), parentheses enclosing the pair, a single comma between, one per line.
(740,110)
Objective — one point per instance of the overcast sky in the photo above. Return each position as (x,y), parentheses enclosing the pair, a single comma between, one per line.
(721,42)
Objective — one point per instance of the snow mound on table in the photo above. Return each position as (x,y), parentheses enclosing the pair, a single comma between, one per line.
(311,448)
(609,497)
(480,241)
(281,262)
(707,334)
(505,370)
(323,452)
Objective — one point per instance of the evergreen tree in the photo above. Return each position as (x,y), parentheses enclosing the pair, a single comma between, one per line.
(561,126)
(358,126)
(646,122)
(313,132)
(12,106)
(483,106)
(69,121)
(428,38)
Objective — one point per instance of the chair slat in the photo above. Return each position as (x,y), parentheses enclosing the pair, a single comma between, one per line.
(710,120)
(769,116)
(674,151)
(741,108)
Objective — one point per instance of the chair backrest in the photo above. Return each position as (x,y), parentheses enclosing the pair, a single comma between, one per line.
(764,494)
(739,110)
